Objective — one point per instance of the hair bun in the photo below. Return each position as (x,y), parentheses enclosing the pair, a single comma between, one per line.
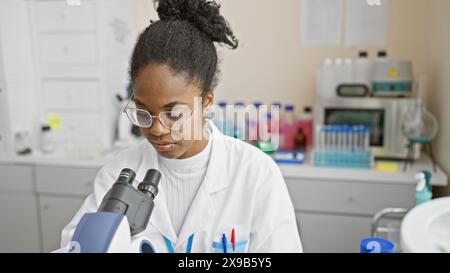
(203,14)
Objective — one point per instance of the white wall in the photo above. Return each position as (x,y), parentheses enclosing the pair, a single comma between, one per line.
(270,65)
(439,81)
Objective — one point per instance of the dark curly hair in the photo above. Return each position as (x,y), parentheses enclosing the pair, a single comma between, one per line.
(184,39)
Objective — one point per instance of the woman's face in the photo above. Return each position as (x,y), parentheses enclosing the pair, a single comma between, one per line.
(158,89)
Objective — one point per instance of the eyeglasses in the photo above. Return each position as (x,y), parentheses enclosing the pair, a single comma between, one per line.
(143,119)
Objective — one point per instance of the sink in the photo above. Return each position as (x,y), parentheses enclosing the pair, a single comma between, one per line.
(426,228)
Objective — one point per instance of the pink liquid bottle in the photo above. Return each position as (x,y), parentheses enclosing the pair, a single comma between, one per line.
(288,128)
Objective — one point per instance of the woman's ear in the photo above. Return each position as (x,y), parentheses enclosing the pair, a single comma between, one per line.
(208,100)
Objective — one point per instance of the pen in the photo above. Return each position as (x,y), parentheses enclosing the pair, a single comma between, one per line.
(224,243)
(233,239)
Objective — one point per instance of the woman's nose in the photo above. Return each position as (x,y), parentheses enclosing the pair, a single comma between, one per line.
(157,129)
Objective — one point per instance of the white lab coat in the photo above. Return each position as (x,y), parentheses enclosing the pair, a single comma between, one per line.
(243,189)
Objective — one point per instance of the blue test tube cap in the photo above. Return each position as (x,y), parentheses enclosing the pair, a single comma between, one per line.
(289,108)
(277,104)
(222,104)
(239,103)
(376,245)
(257,104)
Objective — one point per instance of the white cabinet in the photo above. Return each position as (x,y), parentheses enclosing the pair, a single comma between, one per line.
(5,131)
(17,101)
(61,191)
(334,215)
(68,49)
(19,229)
(82,56)
(71,95)
(361,198)
(37,201)
(325,232)
(58,15)
(56,212)
(66,181)
(16,178)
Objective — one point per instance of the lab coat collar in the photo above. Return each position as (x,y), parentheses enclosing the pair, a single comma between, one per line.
(216,176)
(202,208)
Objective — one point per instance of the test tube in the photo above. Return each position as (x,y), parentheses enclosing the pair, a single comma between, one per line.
(358,141)
(322,138)
(366,138)
(347,145)
(333,132)
(354,138)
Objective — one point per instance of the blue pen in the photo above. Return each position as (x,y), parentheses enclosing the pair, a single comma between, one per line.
(224,243)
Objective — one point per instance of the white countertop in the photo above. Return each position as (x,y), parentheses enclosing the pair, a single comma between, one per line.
(58,160)
(308,171)
(305,171)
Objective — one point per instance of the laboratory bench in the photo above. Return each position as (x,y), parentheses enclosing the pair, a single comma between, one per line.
(334,207)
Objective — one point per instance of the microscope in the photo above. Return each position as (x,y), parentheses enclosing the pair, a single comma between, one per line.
(122,215)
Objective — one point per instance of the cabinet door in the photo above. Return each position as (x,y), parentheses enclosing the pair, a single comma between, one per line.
(16,178)
(56,213)
(332,232)
(3,118)
(19,229)
(68,49)
(71,181)
(340,197)
(60,16)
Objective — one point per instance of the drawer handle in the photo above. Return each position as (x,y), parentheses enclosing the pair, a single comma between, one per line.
(88,184)
(45,207)
(351,199)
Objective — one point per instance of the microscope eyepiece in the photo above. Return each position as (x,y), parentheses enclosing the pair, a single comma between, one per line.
(150,183)
(126,176)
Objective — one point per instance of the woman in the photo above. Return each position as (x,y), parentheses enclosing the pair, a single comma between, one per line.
(213,188)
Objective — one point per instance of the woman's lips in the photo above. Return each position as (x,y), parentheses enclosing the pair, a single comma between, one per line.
(163,147)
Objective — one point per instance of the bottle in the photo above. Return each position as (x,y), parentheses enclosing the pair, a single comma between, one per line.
(305,122)
(46,139)
(219,117)
(241,121)
(300,140)
(266,143)
(228,118)
(287,128)
(423,189)
(348,71)
(274,124)
(326,80)
(363,69)
(338,74)
(253,124)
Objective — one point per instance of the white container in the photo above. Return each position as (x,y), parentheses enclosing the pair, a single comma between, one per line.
(348,71)
(326,80)
(47,141)
(363,68)
(339,73)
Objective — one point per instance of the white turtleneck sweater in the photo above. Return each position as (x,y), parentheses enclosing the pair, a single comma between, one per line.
(181,180)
